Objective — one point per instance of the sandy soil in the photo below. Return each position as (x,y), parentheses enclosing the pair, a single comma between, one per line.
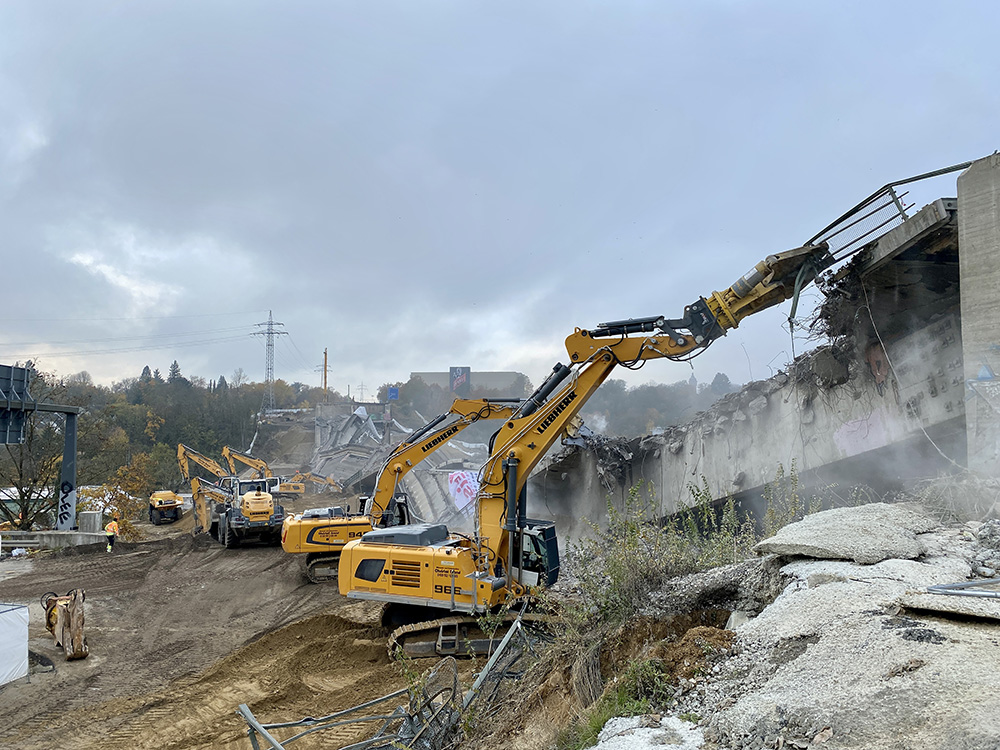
(181,631)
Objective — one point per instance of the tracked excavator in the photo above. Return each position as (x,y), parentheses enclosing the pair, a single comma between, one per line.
(231,510)
(279,487)
(422,571)
(320,533)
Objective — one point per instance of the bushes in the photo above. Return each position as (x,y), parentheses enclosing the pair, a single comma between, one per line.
(619,567)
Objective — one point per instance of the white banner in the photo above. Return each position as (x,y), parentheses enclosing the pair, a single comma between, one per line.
(13,642)
(462,486)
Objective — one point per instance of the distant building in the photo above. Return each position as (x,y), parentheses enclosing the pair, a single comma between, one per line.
(464,380)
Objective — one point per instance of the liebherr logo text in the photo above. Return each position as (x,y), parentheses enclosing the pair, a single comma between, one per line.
(560,408)
(439,438)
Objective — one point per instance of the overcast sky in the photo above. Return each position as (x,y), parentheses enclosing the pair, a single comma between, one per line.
(416,185)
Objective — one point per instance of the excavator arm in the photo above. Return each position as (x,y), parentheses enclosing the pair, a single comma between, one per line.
(522,442)
(259,465)
(186,456)
(203,491)
(428,439)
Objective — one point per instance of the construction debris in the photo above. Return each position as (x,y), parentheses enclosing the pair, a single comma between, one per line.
(432,721)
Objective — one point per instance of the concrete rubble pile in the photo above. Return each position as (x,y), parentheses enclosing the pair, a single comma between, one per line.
(852,652)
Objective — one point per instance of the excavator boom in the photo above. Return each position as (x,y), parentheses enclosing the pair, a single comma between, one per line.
(186,455)
(259,465)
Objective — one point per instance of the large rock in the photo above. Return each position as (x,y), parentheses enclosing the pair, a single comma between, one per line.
(866,534)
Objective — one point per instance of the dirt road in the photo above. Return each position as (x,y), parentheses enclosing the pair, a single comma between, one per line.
(181,631)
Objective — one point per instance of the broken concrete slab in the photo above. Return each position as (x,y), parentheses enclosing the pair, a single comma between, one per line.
(944,604)
(835,650)
(866,534)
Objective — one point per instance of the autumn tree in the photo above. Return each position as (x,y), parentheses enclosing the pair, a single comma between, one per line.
(125,495)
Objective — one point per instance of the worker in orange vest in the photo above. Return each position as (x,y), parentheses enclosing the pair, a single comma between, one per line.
(112,531)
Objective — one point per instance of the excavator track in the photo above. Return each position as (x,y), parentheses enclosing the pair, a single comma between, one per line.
(458,635)
(322,568)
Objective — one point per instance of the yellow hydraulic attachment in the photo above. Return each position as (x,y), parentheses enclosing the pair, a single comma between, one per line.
(422,567)
(320,533)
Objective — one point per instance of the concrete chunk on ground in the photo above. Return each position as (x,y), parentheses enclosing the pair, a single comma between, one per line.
(866,534)
(859,655)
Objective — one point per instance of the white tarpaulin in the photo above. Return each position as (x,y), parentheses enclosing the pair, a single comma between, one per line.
(13,642)
(462,485)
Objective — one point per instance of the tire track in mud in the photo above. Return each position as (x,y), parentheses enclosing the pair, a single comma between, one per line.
(159,618)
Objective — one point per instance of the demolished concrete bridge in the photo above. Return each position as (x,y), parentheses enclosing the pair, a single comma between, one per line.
(902,387)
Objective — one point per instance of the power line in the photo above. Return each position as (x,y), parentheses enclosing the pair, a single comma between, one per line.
(269,333)
(244,328)
(121,350)
(130,317)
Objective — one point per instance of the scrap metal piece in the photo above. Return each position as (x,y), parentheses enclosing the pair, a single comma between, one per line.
(967,588)
(64,619)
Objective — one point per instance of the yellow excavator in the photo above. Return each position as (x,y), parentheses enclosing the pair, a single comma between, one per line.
(320,533)
(279,487)
(324,483)
(421,571)
(231,510)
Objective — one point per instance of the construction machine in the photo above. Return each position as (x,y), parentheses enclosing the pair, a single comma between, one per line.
(422,570)
(232,510)
(277,486)
(249,514)
(324,483)
(64,619)
(320,533)
(164,506)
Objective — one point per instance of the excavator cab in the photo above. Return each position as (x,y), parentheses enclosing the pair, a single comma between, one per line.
(397,513)
(537,548)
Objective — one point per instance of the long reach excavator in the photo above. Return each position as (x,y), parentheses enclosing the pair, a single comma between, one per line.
(321,533)
(423,571)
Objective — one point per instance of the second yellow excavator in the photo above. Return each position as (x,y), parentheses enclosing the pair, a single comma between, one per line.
(320,533)
(279,487)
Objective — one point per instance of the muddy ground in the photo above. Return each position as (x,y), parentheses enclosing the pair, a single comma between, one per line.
(181,631)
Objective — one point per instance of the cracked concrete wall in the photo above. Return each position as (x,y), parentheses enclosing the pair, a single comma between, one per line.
(915,394)
(824,412)
(849,422)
